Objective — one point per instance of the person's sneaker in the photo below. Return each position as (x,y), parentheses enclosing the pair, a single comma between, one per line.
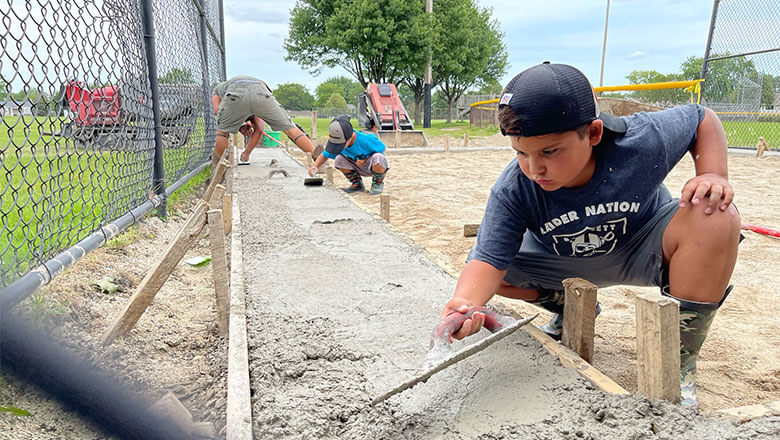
(688,388)
(377,188)
(355,187)
(554,328)
(377,184)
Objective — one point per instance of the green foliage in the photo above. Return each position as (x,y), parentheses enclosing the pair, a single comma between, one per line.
(374,41)
(324,92)
(336,101)
(472,56)
(4,90)
(656,96)
(346,87)
(177,76)
(724,77)
(294,96)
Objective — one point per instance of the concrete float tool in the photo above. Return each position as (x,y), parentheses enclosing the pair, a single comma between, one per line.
(440,355)
(313,181)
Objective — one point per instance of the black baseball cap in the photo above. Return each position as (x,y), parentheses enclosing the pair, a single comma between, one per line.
(553,98)
(339,132)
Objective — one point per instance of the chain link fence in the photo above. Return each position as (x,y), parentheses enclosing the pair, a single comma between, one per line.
(742,71)
(81,153)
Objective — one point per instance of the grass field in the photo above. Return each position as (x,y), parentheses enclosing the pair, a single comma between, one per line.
(54,193)
(745,134)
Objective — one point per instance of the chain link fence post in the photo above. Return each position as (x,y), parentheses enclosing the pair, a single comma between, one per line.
(158,176)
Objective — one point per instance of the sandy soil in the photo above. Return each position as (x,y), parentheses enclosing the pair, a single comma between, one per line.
(174,346)
(740,362)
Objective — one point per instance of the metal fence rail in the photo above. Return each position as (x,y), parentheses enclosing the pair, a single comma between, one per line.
(742,70)
(103,105)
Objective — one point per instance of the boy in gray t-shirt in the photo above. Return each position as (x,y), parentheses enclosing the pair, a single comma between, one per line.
(247,99)
(585,198)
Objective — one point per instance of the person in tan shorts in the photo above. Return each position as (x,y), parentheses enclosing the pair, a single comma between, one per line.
(244,103)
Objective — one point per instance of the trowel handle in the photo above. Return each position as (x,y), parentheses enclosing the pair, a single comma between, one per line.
(454,321)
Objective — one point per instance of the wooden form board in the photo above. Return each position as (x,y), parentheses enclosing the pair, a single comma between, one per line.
(239,404)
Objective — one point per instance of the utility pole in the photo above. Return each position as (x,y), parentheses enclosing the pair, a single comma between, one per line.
(604,47)
(428,76)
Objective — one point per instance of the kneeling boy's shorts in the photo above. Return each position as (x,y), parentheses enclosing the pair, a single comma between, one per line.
(640,262)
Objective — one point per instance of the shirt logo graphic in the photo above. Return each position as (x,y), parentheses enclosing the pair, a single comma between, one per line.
(591,240)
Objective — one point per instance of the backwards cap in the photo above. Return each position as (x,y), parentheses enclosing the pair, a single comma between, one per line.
(553,98)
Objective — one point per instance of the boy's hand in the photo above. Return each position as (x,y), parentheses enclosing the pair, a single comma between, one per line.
(470,326)
(313,170)
(713,190)
(360,162)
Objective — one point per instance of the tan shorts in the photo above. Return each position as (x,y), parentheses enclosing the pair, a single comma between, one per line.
(250,98)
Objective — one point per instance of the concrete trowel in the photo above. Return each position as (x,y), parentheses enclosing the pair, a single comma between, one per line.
(441,355)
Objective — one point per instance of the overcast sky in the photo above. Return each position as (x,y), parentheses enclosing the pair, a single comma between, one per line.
(642,35)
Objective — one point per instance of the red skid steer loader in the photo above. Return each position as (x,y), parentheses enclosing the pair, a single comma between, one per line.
(381,111)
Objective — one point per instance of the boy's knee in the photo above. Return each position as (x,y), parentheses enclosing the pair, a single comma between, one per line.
(379,169)
(717,227)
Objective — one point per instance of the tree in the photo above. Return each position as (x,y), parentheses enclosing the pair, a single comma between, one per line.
(324,92)
(177,75)
(3,89)
(476,54)
(656,96)
(294,96)
(336,101)
(373,41)
(724,77)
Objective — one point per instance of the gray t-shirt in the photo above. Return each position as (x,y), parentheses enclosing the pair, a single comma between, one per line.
(625,191)
(221,88)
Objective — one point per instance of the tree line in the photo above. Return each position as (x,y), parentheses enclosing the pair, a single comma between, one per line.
(391,42)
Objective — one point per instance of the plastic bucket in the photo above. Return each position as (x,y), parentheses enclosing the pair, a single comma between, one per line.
(268,142)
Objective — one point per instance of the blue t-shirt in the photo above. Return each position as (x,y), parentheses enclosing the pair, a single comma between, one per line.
(365,145)
(625,191)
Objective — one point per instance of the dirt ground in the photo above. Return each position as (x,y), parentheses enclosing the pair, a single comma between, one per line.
(174,346)
(740,362)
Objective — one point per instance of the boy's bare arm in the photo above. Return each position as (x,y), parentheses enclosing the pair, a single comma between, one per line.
(710,156)
(215,100)
(478,282)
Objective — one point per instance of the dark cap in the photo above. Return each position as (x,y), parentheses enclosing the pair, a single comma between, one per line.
(339,132)
(553,98)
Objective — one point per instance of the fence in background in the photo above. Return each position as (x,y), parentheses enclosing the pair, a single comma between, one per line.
(105,110)
(742,70)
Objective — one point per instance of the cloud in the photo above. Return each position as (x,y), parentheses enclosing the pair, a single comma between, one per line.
(637,54)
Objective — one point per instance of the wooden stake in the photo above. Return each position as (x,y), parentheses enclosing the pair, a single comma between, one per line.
(313,125)
(658,347)
(470,230)
(229,172)
(396,139)
(579,316)
(154,280)
(216,197)
(465,139)
(227,212)
(176,249)
(219,264)
(384,206)
(329,175)
(447,140)
(761,146)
